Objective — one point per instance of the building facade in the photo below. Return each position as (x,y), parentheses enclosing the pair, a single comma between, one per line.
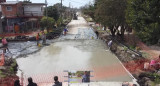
(2,1)
(33,12)
(21,17)
(12,11)
(33,9)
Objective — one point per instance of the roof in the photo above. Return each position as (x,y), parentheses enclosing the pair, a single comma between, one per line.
(10,3)
(15,2)
(34,4)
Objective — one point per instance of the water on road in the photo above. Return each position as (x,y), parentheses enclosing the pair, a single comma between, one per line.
(78,50)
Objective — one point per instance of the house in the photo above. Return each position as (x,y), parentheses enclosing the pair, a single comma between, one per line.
(33,9)
(33,12)
(2,1)
(21,16)
(12,9)
(13,13)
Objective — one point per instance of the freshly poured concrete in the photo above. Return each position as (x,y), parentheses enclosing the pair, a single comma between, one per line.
(75,51)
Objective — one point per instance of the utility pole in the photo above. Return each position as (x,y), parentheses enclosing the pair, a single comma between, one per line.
(61,11)
(61,8)
(69,4)
(69,13)
(46,8)
(46,13)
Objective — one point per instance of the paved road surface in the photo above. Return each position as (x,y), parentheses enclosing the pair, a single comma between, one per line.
(78,50)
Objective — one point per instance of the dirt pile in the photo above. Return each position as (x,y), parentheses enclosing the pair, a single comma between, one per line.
(8,73)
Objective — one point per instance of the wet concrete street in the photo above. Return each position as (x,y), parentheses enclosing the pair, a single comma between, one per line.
(78,50)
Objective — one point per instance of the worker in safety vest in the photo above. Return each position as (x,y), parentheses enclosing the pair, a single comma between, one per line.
(5,44)
(37,38)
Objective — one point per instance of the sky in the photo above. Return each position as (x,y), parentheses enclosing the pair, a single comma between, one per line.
(74,3)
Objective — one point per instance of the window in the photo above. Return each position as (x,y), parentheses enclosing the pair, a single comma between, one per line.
(9,8)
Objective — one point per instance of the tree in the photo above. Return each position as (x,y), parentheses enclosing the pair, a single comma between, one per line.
(52,11)
(89,10)
(143,17)
(27,1)
(111,13)
(47,22)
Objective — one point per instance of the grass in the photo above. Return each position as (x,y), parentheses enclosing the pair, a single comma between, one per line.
(76,78)
(132,47)
(74,82)
(2,75)
(145,55)
(89,19)
(125,48)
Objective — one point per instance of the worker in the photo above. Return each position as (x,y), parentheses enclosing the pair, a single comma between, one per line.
(37,38)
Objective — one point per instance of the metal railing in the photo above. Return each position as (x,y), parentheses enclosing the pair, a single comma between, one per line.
(33,13)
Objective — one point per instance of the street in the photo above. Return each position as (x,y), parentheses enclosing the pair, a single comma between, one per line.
(78,50)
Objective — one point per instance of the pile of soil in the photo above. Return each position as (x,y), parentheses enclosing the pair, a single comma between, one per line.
(8,73)
(8,81)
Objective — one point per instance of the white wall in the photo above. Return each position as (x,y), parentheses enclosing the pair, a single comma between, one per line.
(36,10)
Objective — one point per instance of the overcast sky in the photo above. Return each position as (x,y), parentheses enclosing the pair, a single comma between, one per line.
(74,3)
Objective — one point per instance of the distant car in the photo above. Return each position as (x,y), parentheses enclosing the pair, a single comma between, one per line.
(75,17)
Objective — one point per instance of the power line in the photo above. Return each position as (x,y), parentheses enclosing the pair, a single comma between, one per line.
(76,2)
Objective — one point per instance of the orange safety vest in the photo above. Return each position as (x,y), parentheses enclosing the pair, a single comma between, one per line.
(16,28)
(2,60)
(37,37)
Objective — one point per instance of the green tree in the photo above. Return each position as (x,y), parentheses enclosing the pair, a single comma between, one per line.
(89,10)
(144,17)
(111,13)
(52,11)
(27,1)
(47,22)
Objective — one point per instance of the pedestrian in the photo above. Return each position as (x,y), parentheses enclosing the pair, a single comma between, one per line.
(146,65)
(97,33)
(158,59)
(157,65)
(30,82)
(17,83)
(153,64)
(57,83)
(43,38)
(37,38)
(110,44)
(65,31)
(5,44)
(125,84)
(86,77)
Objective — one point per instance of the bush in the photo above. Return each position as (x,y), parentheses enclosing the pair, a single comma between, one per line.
(132,47)
(47,22)
(125,48)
